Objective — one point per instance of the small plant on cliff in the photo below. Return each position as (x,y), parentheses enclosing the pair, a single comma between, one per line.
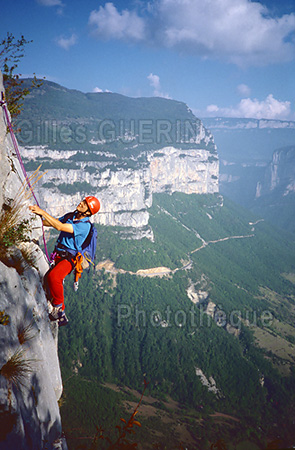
(17,369)
(13,235)
(14,229)
(30,257)
(25,331)
(4,318)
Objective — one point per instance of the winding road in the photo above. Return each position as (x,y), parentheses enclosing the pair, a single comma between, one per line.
(109,266)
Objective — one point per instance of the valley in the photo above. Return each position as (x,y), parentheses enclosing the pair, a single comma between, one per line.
(231,331)
(257,165)
(191,292)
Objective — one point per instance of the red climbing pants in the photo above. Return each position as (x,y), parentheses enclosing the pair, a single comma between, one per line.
(54,280)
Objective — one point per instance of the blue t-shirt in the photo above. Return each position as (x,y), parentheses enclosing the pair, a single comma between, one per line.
(74,241)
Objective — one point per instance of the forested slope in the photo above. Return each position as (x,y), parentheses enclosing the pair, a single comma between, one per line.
(125,327)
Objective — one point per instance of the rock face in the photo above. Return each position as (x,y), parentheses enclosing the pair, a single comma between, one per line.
(126,194)
(210,383)
(29,412)
(123,194)
(275,191)
(10,178)
(188,171)
(280,174)
(31,409)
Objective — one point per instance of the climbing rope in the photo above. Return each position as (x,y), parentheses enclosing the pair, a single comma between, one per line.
(15,145)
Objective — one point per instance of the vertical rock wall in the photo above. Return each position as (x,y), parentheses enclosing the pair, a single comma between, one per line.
(29,412)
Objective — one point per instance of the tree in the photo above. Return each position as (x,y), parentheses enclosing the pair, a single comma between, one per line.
(11,52)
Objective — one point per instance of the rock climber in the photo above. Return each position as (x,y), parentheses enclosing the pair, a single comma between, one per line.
(74,228)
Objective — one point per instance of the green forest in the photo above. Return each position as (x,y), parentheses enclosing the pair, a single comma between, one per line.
(126,328)
(65,118)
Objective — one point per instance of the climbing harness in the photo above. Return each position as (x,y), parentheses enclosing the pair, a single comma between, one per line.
(15,145)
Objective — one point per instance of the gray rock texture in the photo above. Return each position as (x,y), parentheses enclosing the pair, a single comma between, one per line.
(33,404)
(280,174)
(126,194)
(29,412)
(10,173)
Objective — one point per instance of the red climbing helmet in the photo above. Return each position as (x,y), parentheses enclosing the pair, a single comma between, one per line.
(93,204)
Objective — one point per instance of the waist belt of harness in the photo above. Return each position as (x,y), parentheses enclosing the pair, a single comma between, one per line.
(64,252)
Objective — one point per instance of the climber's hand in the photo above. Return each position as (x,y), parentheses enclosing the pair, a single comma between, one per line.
(36,210)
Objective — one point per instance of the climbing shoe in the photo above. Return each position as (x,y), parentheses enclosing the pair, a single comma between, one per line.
(55,313)
(63,320)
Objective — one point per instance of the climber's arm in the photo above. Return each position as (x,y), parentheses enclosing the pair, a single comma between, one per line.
(50,221)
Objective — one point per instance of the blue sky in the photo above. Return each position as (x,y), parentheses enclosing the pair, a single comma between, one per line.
(233,58)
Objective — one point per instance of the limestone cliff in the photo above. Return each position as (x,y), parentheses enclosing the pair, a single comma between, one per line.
(125,193)
(275,191)
(188,171)
(29,412)
(280,174)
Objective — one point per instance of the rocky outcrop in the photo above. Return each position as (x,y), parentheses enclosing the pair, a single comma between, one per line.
(10,173)
(280,174)
(210,383)
(125,194)
(29,413)
(189,171)
(196,296)
(30,409)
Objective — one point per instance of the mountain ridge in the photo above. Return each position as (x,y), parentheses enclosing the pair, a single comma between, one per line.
(248,123)
(134,146)
(149,107)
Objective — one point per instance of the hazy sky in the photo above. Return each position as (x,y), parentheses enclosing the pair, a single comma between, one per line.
(221,57)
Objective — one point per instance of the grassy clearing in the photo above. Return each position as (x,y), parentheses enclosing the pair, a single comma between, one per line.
(282,351)
(284,329)
(281,306)
(289,276)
